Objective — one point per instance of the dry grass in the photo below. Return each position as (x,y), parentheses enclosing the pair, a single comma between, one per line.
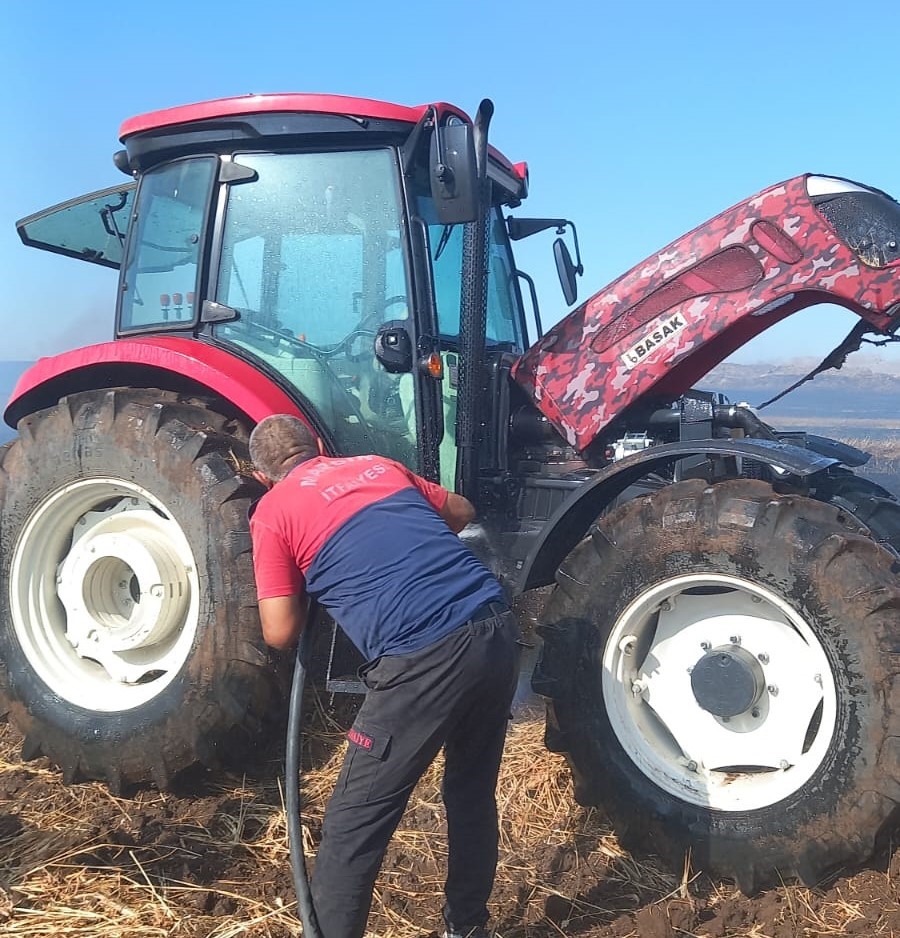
(78,862)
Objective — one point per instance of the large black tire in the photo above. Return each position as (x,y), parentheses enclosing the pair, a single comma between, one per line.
(872,504)
(689,549)
(167,674)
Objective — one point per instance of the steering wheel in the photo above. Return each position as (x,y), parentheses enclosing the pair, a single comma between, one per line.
(365,329)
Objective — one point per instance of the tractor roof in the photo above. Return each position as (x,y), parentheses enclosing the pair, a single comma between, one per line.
(284,103)
(294,103)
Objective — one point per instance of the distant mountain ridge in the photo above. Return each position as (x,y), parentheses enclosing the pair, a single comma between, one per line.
(857,377)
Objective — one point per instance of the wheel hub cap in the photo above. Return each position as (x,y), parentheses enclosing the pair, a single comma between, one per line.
(122,587)
(719,691)
(727,681)
(104,594)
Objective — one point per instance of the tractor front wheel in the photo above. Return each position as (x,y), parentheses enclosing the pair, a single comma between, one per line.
(129,640)
(721,670)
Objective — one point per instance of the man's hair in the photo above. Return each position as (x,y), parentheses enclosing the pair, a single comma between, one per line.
(279,443)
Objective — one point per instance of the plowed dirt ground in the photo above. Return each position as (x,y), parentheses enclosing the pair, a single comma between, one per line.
(211,860)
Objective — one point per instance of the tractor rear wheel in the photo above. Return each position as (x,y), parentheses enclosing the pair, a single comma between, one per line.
(130,646)
(721,670)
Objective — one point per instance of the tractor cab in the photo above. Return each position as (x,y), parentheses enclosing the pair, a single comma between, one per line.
(331,243)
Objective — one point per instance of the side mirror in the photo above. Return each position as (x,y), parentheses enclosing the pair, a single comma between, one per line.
(393,348)
(454,174)
(566,270)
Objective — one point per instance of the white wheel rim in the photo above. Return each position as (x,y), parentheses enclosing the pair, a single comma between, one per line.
(737,763)
(104,594)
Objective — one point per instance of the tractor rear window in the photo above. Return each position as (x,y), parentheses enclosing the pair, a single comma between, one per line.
(159,282)
(90,228)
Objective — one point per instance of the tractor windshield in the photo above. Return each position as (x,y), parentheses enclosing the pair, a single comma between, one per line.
(504,320)
(312,260)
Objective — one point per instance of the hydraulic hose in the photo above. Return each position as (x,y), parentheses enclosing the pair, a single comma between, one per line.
(305,907)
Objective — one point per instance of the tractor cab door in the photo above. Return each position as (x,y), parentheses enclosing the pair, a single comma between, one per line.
(313,263)
(90,228)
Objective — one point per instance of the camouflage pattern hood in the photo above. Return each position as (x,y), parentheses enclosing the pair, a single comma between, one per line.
(663,325)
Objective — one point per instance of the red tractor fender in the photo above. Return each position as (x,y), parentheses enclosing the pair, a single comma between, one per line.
(171,362)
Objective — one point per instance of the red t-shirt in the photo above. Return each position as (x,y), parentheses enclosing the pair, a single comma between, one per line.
(364,536)
(294,519)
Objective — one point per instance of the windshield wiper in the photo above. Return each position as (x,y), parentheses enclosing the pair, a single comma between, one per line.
(108,217)
(443,241)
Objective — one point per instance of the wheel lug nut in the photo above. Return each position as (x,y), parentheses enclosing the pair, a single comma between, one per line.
(705,646)
(773,690)
(665,606)
(784,764)
(755,713)
(735,639)
(626,646)
(763,658)
(690,669)
(692,766)
(818,679)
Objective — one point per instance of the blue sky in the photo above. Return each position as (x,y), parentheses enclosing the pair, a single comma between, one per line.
(638,121)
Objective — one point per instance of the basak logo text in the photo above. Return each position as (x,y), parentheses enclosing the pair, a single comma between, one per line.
(659,336)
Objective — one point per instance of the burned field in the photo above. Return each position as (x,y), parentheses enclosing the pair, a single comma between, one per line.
(210,859)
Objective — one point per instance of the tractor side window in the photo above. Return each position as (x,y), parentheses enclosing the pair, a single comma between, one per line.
(159,278)
(503,319)
(313,263)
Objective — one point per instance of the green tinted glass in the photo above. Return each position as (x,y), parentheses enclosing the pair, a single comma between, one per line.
(159,282)
(312,261)
(91,228)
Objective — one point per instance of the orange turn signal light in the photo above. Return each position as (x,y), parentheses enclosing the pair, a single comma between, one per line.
(432,365)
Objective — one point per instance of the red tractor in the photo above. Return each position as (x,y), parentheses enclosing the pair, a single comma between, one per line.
(719,654)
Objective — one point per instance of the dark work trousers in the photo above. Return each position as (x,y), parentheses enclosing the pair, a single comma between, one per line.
(455,693)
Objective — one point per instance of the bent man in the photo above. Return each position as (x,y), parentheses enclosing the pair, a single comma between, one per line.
(376,545)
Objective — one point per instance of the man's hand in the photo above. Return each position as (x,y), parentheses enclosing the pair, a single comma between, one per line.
(283,618)
(458,511)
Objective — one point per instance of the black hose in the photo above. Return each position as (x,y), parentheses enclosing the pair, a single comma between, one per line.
(305,907)
(742,418)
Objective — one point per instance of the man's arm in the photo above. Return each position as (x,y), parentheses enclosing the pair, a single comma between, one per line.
(283,619)
(458,511)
